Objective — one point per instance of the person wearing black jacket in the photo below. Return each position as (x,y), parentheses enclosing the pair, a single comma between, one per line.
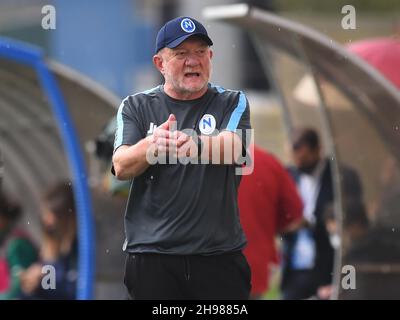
(308,254)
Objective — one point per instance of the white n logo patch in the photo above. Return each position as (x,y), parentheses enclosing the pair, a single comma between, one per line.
(207,124)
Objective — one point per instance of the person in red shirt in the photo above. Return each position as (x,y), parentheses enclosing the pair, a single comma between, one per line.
(269,205)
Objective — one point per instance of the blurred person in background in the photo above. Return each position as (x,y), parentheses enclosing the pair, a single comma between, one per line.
(58,249)
(17,252)
(309,251)
(269,205)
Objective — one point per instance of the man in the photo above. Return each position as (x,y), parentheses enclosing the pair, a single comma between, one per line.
(309,252)
(269,205)
(183,235)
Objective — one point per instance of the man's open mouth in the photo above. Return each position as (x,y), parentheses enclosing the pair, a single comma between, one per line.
(192,74)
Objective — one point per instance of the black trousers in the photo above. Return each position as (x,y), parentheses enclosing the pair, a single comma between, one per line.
(160,276)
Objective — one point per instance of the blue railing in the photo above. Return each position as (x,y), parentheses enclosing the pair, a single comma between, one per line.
(33,57)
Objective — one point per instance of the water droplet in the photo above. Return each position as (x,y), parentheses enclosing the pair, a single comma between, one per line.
(392,229)
(151,177)
(28,222)
(107,251)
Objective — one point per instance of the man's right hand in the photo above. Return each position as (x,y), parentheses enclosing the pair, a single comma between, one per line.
(164,137)
(131,161)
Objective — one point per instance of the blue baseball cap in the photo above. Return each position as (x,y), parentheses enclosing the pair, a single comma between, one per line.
(175,31)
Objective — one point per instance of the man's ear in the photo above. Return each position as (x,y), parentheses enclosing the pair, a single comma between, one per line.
(211,53)
(158,62)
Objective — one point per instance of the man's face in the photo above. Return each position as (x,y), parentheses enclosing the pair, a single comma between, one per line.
(306,158)
(186,68)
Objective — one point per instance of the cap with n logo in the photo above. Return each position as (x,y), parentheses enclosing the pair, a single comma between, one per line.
(175,31)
